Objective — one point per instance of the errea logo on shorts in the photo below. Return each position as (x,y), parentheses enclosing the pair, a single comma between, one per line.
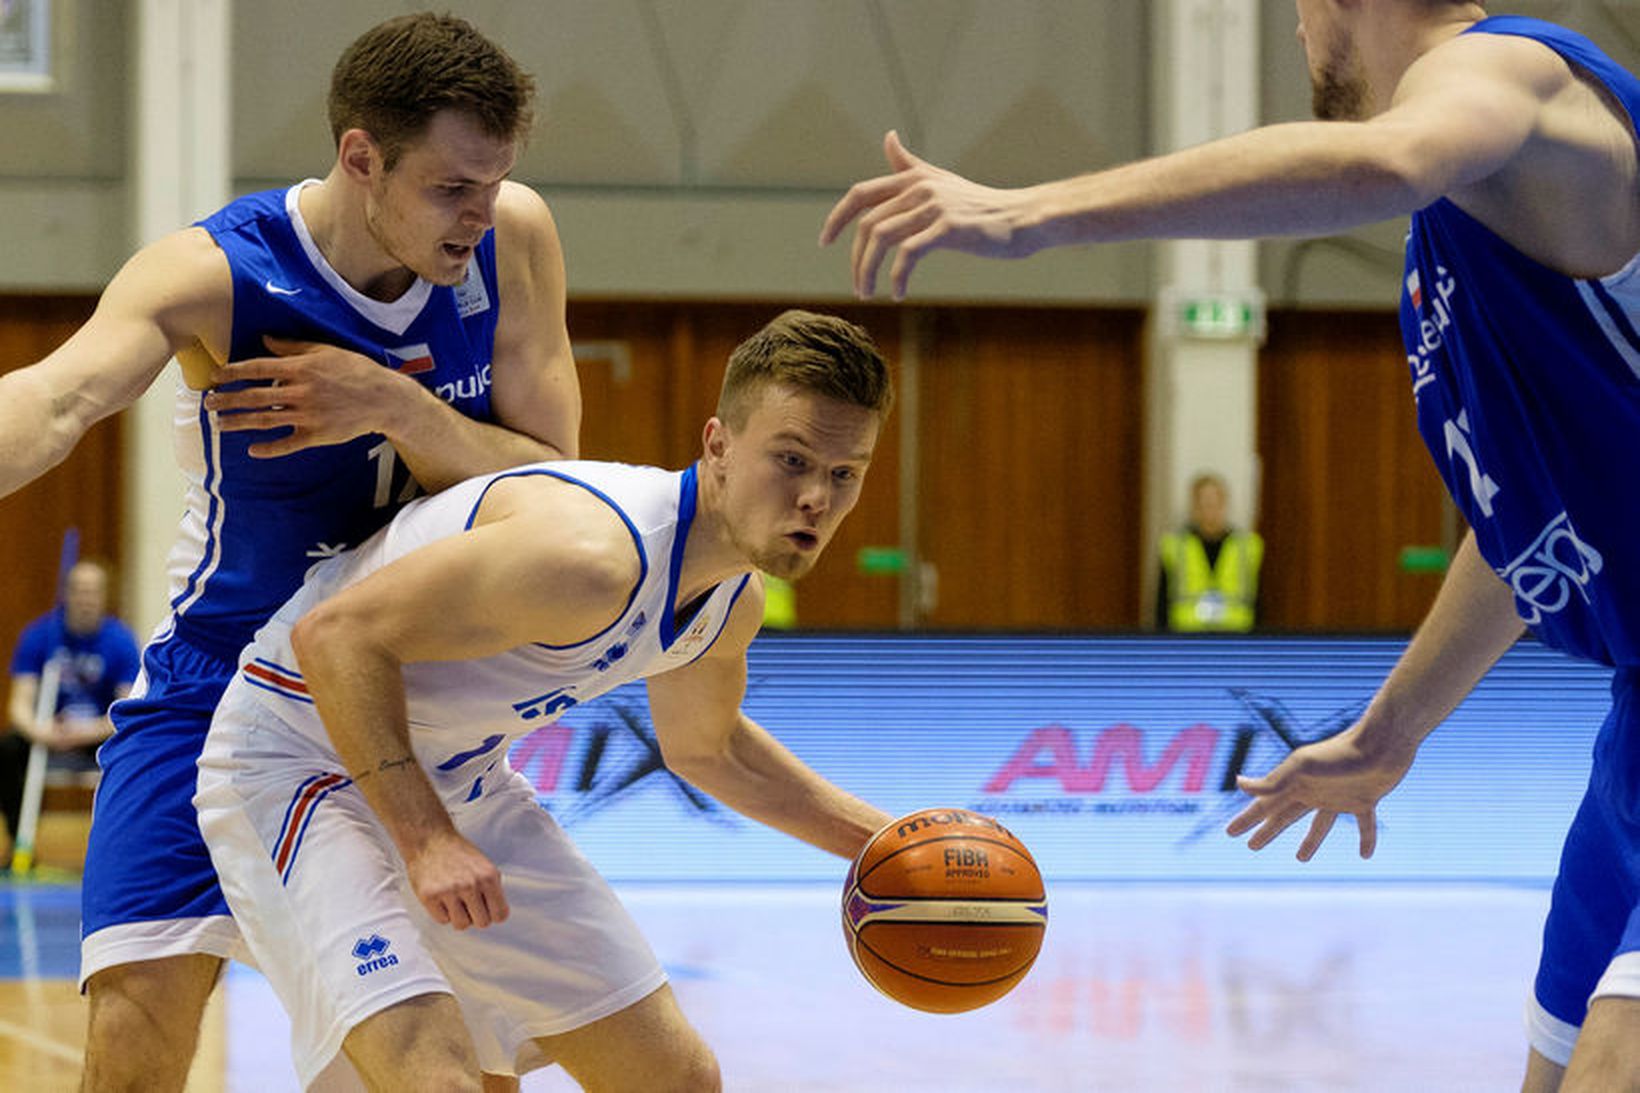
(373,952)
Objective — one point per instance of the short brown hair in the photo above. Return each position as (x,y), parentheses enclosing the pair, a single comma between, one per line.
(398,74)
(817,353)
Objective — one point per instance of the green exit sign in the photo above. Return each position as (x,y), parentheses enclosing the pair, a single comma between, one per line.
(1216,318)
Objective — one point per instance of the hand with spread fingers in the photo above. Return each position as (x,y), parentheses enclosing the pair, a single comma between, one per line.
(322,393)
(1343,775)
(920,208)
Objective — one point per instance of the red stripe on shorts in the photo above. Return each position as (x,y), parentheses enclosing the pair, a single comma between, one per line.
(287,839)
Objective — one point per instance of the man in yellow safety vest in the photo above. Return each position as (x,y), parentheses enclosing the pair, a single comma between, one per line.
(1208,580)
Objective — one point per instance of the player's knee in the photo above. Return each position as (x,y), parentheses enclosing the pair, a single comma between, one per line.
(154,1004)
(694,1070)
(444,1076)
(431,1068)
(134,1045)
(697,1070)
(419,1043)
(710,1078)
(684,1065)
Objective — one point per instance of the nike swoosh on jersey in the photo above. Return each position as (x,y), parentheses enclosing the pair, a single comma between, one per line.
(278,290)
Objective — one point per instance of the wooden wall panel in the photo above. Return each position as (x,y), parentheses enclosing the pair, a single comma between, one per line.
(1347,483)
(1030,442)
(83,491)
(1030,467)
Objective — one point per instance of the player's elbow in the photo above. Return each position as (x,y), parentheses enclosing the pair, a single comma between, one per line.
(1381,180)
(694,763)
(58,417)
(320,635)
(703,760)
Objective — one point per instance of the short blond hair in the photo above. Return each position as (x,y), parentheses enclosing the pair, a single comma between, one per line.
(817,353)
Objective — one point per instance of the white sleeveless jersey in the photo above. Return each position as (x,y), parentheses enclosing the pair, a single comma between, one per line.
(464,714)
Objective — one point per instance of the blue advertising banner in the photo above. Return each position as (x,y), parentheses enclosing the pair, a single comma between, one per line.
(1112,758)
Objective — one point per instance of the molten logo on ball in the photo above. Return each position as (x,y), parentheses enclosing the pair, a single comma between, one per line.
(944,910)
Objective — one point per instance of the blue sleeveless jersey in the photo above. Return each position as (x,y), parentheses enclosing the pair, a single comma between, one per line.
(1528,390)
(253,527)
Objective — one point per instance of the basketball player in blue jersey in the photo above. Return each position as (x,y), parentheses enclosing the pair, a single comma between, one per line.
(408,898)
(398,325)
(1512,143)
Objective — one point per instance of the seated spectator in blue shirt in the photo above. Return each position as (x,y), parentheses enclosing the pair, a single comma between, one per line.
(97,662)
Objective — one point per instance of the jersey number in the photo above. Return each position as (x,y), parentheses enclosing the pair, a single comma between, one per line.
(388,470)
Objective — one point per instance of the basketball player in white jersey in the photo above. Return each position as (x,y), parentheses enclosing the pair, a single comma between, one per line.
(399,885)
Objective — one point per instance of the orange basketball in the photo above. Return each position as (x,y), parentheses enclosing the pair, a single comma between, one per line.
(944,910)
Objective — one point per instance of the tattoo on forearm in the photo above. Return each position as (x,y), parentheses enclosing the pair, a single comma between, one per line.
(385,765)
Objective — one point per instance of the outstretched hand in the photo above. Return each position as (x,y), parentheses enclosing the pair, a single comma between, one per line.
(1331,777)
(921,207)
(322,393)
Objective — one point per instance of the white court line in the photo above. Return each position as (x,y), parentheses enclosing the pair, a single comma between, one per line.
(34,1039)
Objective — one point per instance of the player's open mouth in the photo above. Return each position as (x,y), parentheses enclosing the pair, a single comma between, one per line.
(457,250)
(805,540)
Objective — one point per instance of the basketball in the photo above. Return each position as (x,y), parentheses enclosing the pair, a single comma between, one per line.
(944,910)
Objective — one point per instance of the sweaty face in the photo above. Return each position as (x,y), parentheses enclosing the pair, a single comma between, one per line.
(433,207)
(790,475)
(1338,86)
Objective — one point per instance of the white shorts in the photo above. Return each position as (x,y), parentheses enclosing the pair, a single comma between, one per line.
(321,898)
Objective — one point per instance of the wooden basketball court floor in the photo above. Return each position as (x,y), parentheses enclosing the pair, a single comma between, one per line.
(1199,987)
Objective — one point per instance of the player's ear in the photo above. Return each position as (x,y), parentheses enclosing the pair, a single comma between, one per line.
(715,439)
(359,155)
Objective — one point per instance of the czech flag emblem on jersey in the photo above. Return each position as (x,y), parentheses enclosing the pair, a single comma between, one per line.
(413,359)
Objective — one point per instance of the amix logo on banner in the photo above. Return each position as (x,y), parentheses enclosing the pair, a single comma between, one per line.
(1127,761)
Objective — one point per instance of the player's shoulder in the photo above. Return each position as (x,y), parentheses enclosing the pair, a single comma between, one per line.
(520,209)
(183,268)
(252,208)
(523,222)
(745,618)
(1496,57)
(577,532)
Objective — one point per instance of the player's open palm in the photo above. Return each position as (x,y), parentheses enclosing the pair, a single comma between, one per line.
(919,208)
(458,885)
(1332,777)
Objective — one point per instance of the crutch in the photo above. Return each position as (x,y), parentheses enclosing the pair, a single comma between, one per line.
(45,709)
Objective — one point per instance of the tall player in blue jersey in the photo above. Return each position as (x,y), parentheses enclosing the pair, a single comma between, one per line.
(1513,144)
(397,325)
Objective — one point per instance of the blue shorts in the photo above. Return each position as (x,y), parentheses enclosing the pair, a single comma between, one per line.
(150,890)
(1592,937)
